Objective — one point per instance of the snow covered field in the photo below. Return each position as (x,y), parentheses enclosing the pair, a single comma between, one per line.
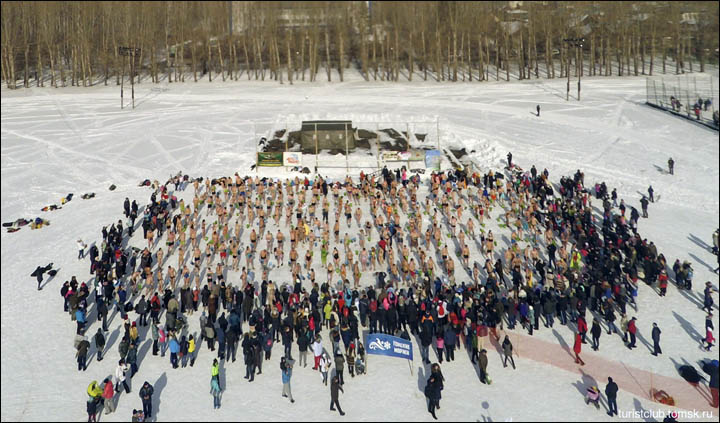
(57,141)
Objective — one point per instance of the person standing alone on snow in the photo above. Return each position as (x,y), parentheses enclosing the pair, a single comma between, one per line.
(215,391)
(577,347)
(644,204)
(611,390)
(146,393)
(671,165)
(286,368)
(538,110)
(656,340)
(334,388)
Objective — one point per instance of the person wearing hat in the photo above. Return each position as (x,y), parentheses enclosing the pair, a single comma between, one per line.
(611,390)
(632,329)
(146,393)
(656,339)
(707,297)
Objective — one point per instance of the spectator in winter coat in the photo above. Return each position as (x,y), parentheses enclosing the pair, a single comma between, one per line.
(99,343)
(286,368)
(249,356)
(656,340)
(611,390)
(121,376)
(108,396)
(632,329)
(432,393)
(317,351)
(334,395)
(81,355)
(184,345)
(595,331)
(325,364)
(174,351)
(131,359)
(482,363)
(577,348)
(426,336)
(507,352)
(146,393)
(450,339)
(215,391)
(339,366)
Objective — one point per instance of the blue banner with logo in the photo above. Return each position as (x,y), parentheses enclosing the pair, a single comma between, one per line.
(381,344)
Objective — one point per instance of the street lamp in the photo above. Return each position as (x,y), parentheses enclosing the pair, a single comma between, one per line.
(577,43)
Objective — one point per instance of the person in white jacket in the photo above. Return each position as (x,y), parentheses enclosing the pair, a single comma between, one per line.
(121,376)
(317,349)
(81,247)
(325,364)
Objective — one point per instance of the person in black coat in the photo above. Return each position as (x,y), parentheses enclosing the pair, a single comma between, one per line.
(596,330)
(146,393)
(432,390)
(38,273)
(334,395)
(99,343)
(656,340)
(611,390)
(249,355)
(426,335)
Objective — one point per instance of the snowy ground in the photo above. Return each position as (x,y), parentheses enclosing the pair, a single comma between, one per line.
(57,141)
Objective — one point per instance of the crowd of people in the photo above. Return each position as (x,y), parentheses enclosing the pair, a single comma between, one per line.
(410,267)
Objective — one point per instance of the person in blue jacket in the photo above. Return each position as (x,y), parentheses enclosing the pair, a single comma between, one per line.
(286,367)
(174,350)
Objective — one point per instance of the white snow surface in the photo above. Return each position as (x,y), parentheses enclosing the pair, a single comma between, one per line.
(58,141)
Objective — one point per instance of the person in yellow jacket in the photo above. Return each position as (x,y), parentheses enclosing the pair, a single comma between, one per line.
(191,350)
(327,310)
(215,371)
(576,261)
(94,390)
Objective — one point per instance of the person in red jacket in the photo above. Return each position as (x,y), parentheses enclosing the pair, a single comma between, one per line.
(632,329)
(582,328)
(663,279)
(108,394)
(577,348)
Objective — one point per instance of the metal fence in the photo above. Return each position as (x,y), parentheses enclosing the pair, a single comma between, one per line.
(691,96)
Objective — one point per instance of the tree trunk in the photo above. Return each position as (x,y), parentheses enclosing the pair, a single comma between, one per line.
(194,59)
(424,57)
(454,60)
(209,61)
(53,78)
(222,63)
(327,54)
(481,59)
(410,58)
(247,57)
(342,53)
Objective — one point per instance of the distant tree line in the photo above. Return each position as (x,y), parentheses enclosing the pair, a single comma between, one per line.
(76,43)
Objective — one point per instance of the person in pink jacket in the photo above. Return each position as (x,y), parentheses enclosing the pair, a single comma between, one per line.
(440,346)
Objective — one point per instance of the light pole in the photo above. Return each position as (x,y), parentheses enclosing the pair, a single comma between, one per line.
(577,43)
